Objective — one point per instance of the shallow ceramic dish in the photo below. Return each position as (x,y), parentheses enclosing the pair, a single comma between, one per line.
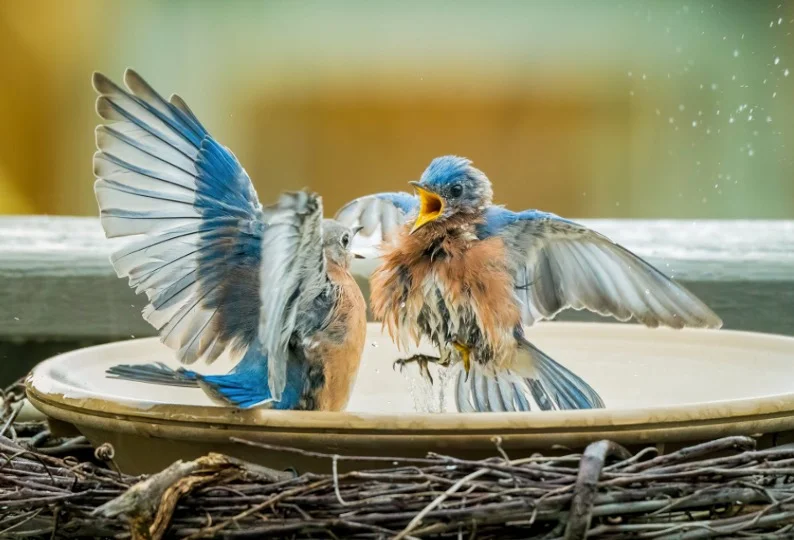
(661,387)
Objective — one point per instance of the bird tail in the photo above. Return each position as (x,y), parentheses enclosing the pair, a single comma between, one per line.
(157,373)
(534,379)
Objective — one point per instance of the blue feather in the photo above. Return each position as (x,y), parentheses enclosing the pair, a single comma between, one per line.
(245,386)
(406,202)
(445,169)
(498,217)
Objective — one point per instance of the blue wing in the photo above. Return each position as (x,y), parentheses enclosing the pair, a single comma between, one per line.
(558,264)
(379,216)
(161,175)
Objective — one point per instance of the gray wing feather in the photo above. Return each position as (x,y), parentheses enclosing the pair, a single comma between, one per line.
(293,272)
(558,264)
(380,216)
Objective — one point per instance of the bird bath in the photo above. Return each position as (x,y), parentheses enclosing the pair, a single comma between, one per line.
(662,387)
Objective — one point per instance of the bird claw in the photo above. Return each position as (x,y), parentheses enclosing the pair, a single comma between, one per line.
(422,361)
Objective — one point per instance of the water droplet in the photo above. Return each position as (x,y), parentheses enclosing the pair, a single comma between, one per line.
(395,463)
(785,73)
(644,77)
(768,119)
(681,107)
(694,123)
(733,77)
(658,112)
(631,92)
(671,120)
(132,336)
(777,60)
(704,200)
(16,318)
(730,120)
(708,131)
(716,186)
(617,203)
(751,152)
(647,291)
(774,94)
(714,86)
(736,53)
(750,118)
(629,73)
(451,467)
(780,21)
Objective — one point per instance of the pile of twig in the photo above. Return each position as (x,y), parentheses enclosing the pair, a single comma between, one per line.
(724,488)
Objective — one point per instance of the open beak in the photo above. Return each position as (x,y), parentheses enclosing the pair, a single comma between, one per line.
(431,206)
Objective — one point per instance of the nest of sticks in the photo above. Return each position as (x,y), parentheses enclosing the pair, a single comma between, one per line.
(53,488)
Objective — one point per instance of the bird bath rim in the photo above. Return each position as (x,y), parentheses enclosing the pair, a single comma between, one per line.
(767,408)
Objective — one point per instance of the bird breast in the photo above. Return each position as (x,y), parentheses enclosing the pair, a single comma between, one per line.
(452,290)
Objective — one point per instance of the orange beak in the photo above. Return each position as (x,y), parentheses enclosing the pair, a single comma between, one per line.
(431,206)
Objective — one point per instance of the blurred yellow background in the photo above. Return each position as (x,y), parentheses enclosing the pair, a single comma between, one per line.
(585,108)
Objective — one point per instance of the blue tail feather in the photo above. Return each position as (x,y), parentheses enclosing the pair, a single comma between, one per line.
(244,387)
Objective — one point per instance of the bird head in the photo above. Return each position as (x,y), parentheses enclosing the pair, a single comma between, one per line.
(450,186)
(337,241)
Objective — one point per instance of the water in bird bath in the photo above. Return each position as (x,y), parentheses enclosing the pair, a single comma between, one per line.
(632,367)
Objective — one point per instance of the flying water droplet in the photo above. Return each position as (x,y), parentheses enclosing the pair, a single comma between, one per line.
(785,73)
(736,53)
(777,60)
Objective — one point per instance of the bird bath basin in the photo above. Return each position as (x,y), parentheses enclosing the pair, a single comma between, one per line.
(662,387)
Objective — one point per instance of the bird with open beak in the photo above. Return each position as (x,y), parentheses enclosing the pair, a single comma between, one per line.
(469,276)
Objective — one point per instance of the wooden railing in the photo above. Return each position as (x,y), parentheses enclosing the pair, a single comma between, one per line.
(58,290)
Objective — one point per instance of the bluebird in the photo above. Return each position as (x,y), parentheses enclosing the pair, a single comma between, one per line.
(270,285)
(469,275)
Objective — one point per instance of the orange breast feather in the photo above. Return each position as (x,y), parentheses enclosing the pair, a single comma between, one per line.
(341,357)
(473,272)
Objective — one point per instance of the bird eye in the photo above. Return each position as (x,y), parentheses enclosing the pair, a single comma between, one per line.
(456,190)
(345,240)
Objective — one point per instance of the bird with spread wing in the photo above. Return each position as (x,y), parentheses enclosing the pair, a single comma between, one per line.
(270,285)
(469,276)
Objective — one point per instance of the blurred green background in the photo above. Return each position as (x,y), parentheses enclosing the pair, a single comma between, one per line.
(588,109)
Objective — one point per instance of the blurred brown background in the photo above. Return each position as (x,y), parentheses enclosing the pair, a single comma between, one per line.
(588,109)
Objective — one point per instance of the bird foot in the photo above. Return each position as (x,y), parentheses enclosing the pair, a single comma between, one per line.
(422,361)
